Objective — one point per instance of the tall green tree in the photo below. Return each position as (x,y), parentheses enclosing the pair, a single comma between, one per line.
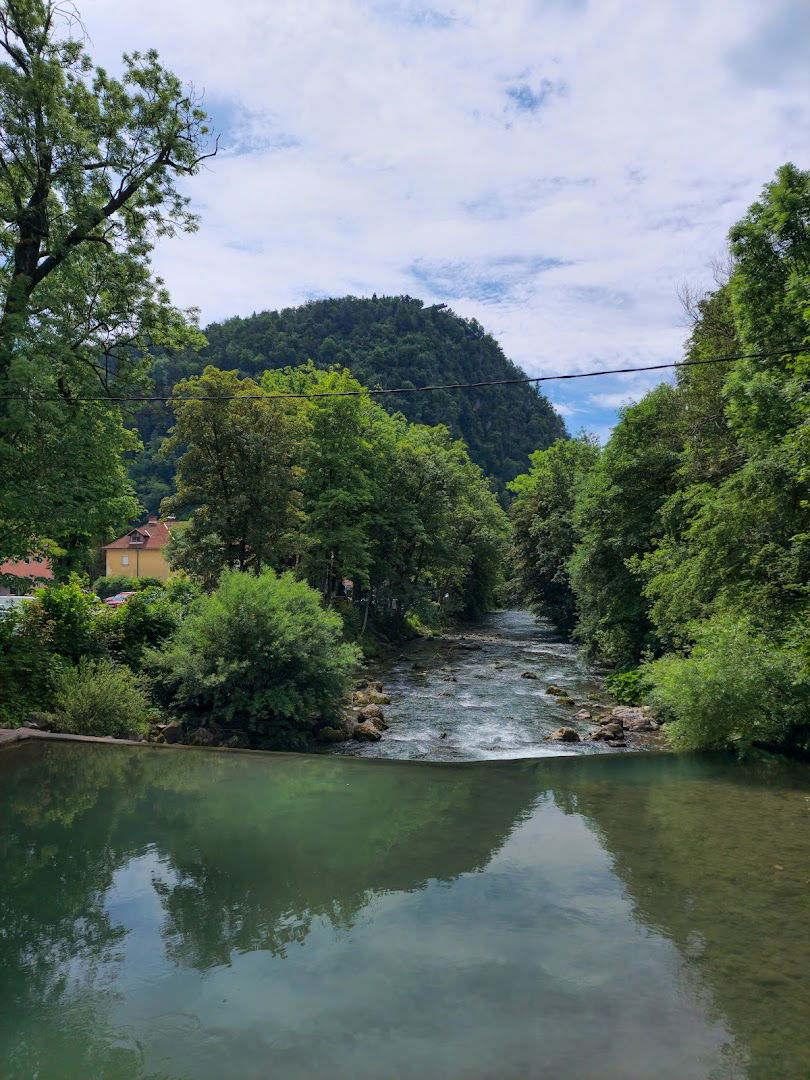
(238,474)
(89,166)
(543,531)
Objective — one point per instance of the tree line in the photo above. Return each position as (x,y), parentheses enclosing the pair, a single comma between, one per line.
(680,553)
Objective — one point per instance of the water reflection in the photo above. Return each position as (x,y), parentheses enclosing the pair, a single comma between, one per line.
(198,914)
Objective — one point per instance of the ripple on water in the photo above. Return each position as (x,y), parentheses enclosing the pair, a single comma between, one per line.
(488,711)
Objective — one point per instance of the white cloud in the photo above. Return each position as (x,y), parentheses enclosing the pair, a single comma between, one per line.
(554,169)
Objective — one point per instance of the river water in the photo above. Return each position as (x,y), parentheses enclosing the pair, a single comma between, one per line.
(192,914)
(461,697)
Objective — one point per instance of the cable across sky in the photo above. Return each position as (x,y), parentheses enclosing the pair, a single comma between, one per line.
(380,392)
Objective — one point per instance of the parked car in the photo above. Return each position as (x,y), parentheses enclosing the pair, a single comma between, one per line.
(119,599)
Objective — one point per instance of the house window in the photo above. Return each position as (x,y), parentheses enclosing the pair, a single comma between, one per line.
(125,560)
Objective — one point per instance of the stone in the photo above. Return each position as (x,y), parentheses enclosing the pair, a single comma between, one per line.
(633,717)
(609,731)
(200,737)
(332,735)
(583,714)
(615,742)
(379,723)
(370,697)
(528,675)
(174,732)
(375,684)
(449,678)
(370,712)
(367,732)
(556,691)
(235,742)
(564,734)
(39,721)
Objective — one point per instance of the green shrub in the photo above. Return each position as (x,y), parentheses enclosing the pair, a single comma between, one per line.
(64,619)
(629,687)
(104,587)
(28,669)
(99,697)
(259,654)
(736,688)
(145,621)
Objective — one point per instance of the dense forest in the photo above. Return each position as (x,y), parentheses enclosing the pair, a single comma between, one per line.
(385,342)
(683,546)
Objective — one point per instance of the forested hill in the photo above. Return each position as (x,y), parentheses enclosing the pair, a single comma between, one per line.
(386,342)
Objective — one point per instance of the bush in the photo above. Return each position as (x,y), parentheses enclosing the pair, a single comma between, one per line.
(104,587)
(736,688)
(99,697)
(64,619)
(259,654)
(629,687)
(146,620)
(28,669)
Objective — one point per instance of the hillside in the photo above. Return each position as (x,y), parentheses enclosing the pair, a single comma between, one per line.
(385,342)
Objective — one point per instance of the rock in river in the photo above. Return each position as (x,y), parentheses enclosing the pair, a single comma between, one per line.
(529,675)
(633,718)
(367,732)
(564,734)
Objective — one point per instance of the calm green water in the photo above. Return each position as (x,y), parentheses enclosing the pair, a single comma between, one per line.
(193,914)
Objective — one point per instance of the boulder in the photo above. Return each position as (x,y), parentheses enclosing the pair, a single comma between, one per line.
(332,735)
(39,721)
(632,717)
(370,697)
(608,731)
(564,734)
(529,675)
(375,684)
(583,714)
(235,742)
(556,691)
(367,732)
(369,712)
(449,678)
(174,732)
(379,723)
(202,736)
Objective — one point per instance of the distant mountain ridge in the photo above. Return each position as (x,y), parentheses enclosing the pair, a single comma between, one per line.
(385,342)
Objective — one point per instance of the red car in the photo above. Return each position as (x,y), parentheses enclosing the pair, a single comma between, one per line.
(119,599)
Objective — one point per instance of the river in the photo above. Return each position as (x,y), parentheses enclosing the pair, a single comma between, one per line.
(461,697)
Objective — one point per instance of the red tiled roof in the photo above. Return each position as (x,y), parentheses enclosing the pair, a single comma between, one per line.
(27,568)
(154,534)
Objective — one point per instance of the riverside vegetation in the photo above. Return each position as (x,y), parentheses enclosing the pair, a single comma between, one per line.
(317,522)
(680,553)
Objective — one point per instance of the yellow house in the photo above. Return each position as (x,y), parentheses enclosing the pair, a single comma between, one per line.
(141,552)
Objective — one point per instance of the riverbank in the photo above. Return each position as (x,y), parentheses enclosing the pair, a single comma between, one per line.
(462,696)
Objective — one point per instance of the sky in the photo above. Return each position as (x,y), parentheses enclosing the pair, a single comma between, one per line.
(554,168)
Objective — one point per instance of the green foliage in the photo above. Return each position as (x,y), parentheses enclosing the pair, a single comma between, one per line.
(629,687)
(694,526)
(259,654)
(88,183)
(146,620)
(735,688)
(239,473)
(112,584)
(544,535)
(383,341)
(28,669)
(99,697)
(616,516)
(65,618)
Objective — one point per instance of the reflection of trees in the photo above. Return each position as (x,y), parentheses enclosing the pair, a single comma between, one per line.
(697,844)
(252,850)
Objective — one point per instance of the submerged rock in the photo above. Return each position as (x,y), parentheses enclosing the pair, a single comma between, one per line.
(564,734)
(556,691)
(529,675)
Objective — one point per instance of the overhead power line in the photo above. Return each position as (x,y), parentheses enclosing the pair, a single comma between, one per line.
(379,392)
